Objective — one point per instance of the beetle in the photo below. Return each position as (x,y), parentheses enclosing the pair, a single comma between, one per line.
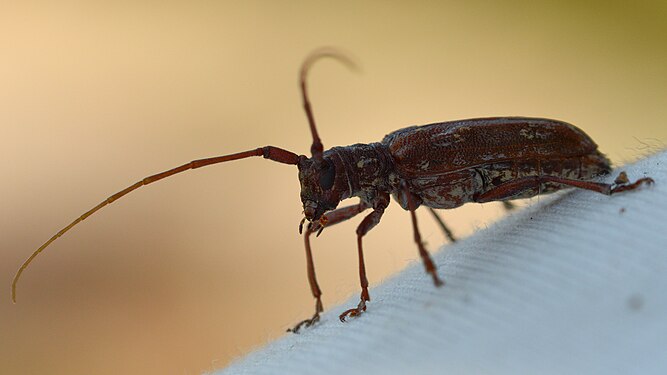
(440,166)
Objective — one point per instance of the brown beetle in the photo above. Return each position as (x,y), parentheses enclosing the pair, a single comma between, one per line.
(442,165)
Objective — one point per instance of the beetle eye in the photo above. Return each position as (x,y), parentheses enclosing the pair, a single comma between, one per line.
(327,175)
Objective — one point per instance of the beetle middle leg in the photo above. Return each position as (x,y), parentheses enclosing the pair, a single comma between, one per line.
(508,206)
(445,229)
(426,258)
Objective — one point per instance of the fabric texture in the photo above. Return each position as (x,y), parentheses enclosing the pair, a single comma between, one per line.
(575,284)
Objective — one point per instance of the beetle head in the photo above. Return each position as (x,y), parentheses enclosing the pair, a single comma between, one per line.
(319,192)
(318,187)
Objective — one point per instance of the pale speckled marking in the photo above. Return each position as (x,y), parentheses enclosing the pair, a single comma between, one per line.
(423,165)
(506,175)
(491,157)
(363,162)
(452,138)
(460,159)
(458,192)
(533,132)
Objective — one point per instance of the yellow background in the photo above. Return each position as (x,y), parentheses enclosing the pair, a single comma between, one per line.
(185,275)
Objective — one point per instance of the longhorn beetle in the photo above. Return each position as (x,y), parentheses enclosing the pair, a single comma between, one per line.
(440,165)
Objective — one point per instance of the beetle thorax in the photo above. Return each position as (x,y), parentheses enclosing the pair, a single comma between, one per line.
(359,170)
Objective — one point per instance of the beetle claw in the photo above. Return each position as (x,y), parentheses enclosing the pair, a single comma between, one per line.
(309,322)
(353,313)
(361,307)
(305,323)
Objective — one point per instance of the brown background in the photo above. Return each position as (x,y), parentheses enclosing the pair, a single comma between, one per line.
(185,275)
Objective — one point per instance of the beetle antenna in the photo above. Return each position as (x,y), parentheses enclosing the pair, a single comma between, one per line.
(268,152)
(317,148)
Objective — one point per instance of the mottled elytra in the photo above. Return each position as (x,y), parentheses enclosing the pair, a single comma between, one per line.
(440,166)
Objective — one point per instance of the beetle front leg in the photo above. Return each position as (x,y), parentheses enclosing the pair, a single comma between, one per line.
(331,218)
(370,221)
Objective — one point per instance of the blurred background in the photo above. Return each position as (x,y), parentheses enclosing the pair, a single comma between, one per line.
(184,276)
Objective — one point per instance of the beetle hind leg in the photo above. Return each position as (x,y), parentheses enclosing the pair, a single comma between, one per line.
(622,183)
(521,185)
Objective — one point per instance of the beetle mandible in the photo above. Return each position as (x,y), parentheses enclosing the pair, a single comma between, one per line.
(441,165)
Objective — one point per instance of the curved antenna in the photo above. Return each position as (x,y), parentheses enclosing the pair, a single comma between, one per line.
(317,148)
(268,152)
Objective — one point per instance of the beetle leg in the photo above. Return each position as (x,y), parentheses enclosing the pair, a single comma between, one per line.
(509,206)
(443,226)
(516,187)
(426,258)
(331,218)
(624,186)
(370,221)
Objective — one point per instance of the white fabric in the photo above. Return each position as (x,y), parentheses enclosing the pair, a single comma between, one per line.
(575,284)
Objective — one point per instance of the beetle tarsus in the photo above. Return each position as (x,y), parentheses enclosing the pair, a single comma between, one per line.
(622,183)
(309,322)
(436,280)
(361,307)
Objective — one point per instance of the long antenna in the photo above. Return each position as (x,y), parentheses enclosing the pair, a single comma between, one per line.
(268,152)
(317,148)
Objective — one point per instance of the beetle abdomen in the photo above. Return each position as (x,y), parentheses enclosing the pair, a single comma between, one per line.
(450,146)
